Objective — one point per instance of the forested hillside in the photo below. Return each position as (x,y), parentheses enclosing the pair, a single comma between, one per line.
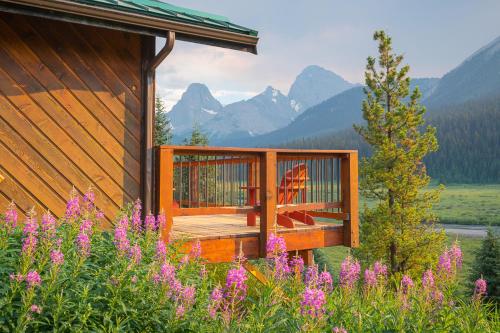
(469,142)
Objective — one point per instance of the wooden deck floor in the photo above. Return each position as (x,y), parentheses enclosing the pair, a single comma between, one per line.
(208,227)
(223,236)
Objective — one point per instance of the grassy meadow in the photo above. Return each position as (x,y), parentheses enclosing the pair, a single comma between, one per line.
(473,204)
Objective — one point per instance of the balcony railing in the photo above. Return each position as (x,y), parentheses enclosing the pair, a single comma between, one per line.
(278,185)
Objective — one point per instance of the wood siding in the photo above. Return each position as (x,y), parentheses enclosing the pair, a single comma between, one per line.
(70,114)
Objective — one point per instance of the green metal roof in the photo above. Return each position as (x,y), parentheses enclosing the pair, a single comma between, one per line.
(159,9)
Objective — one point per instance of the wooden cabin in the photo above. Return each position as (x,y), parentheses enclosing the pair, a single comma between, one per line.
(77,86)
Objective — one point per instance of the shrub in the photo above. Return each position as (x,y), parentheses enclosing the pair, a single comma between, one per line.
(65,275)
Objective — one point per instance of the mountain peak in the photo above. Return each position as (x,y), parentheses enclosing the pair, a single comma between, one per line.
(314,85)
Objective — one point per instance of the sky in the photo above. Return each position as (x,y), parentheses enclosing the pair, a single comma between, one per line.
(434,36)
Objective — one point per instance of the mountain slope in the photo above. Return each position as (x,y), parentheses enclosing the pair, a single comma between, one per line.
(478,76)
(314,85)
(468,136)
(336,113)
(196,106)
(263,113)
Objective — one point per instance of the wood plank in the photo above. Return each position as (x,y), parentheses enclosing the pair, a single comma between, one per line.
(109,55)
(165,187)
(83,62)
(239,151)
(55,145)
(329,215)
(23,199)
(72,139)
(31,181)
(53,82)
(349,186)
(268,199)
(308,206)
(51,152)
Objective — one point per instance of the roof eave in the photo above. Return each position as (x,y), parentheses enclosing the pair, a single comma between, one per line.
(184,31)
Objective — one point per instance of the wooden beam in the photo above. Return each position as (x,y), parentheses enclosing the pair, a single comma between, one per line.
(213,210)
(308,206)
(226,249)
(307,256)
(164,186)
(268,198)
(349,185)
(329,215)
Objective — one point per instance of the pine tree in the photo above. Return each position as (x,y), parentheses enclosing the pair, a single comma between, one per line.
(400,229)
(163,128)
(487,264)
(198,138)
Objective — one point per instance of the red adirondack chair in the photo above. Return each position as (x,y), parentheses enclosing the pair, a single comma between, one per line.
(293,183)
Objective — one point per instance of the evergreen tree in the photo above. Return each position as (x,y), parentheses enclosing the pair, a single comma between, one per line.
(400,228)
(198,138)
(487,264)
(163,128)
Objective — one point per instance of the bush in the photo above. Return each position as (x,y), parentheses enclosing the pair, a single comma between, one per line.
(67,275)
(487,265)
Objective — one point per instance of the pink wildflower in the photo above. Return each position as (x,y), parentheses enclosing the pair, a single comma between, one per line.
(56,257)
(33,279)
(160,220)
(380,269)
(340,329)
(11,216)
(297,265)
(121,241)
(275,245)
(16,277)
(161,251)
(30,232)
(133,279)
(216,299)
(48,225)
(349,272)
(428,279)
(444,265)
(35,309)
(456,255)
(370,278)
(236,287)
(311,276)
(406,284)
(480,287)
(313,302)
(195,252)
(99,215)
(437,296)
(73,206)
(325,281)
(83,243)
(86,227)
(89,199)
(135,254)
(136,216)
(150,222)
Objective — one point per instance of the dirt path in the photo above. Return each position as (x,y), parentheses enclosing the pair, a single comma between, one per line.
(466,230)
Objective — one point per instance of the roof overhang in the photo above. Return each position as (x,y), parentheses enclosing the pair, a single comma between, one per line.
(76,12)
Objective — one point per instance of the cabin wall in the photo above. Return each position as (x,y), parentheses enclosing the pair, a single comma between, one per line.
(70,114)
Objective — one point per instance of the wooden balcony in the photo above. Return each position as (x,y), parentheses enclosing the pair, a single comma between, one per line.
(232,199)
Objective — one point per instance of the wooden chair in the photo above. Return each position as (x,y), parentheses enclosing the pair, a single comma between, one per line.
(293,183)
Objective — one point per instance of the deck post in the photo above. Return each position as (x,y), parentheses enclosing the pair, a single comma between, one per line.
(268,198)
(349,185)
(165,189)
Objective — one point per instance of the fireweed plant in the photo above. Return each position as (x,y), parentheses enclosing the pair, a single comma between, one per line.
(67,275)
